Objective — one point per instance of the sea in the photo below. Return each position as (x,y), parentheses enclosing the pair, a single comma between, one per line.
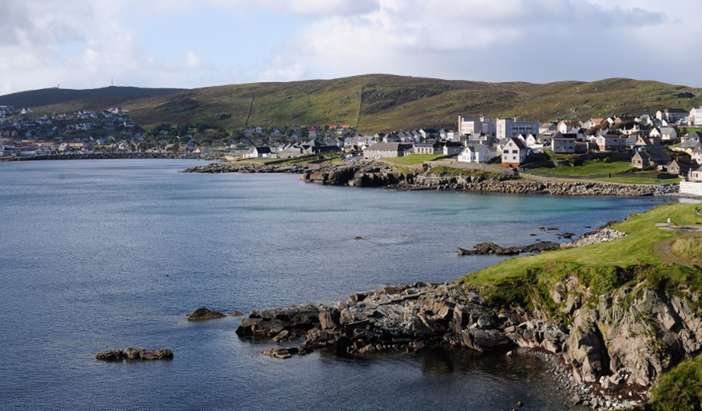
(101,254)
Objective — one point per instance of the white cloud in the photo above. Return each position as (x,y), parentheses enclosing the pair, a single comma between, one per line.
(85,44)
(192,60)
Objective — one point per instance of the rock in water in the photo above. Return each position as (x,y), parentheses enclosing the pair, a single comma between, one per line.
(204,314)
(134,354)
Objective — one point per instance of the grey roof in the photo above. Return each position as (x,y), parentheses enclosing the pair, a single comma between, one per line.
(389,146)
(519,143)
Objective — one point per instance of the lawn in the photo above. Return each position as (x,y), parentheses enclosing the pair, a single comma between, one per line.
(599,266)
(413,159)
(604,171)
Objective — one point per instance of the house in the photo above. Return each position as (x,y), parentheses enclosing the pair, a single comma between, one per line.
(321,149)
(693,183)
(259,152)
(695,175)
(673,115)
(668,134)
(649,156)
(514,153)
(696,155)
(386,150)
(477,153)
(680,166)
(451,148)
(695,117)
(563,143)
(565,127)
(646,141)
(474,126)
(611,142)
(427,148)
(691,140)
(509,127)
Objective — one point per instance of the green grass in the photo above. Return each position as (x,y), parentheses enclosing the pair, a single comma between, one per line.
(413,159)
(603,266)
(379,102)
(604,171)
(680,389)
(467,172)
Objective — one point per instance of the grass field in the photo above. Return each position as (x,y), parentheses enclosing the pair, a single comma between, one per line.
(413,159)
(604,171)
(598,265)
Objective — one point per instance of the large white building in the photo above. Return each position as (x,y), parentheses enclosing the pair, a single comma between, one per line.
(510,127)
(695,117)
(475,126)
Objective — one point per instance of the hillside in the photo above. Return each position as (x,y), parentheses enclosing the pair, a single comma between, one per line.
(370,102)
(67,99)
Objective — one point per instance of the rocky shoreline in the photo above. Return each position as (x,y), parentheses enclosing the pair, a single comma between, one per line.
(608,355)
(378,174)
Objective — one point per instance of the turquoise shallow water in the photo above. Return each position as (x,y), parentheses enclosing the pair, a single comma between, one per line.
(110,253)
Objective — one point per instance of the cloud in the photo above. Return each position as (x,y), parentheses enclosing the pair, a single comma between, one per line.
(85,43)
(463,39)
(192,60)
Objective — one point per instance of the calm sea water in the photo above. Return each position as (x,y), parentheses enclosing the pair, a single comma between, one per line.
(102,254)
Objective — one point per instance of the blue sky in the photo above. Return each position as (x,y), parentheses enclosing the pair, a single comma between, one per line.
(191,43)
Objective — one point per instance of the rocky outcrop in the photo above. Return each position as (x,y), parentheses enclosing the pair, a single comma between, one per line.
(613,346)
(204,314)
(246,168)
(603,235)
(134,354)
(529,186)
(488,248)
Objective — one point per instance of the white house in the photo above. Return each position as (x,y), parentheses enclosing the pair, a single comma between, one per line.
(693,183)
(258,152)
(695,117)
(514,153)
(477,153)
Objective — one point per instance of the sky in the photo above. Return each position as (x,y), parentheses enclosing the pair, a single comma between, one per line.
(197,43)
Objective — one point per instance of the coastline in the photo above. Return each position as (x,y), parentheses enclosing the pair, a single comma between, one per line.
(378,174)
(105,156)
(606,347)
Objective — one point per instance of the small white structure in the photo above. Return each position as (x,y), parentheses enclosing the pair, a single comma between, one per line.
(477,153)
(514,153)
(695,117)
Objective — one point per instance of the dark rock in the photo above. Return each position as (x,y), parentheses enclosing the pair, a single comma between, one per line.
(204,314)
(488,248)
(135,354)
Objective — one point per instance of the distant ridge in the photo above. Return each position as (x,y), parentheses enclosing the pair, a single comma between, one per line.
(50,96)
(373,102)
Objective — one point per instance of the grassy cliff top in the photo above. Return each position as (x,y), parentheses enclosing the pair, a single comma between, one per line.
(665,258)
(375,102)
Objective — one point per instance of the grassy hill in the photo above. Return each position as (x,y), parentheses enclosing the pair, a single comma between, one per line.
(369,102)
(68,99)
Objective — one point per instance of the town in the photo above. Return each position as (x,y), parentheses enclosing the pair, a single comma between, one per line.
(661,147)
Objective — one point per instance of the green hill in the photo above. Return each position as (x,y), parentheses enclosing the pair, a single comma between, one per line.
(68,98)
(379,102)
